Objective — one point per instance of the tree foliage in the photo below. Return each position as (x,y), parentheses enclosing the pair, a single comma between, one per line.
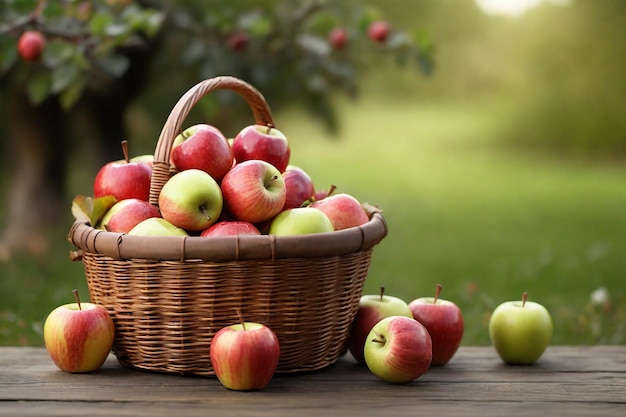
(280,46)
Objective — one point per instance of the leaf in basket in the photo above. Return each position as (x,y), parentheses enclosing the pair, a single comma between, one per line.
(90,209)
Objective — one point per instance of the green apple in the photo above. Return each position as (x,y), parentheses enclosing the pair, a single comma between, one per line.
(520,331)
(300,221)
(191,200)
(156,226)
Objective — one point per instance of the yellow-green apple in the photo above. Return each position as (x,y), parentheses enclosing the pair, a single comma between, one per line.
(123,179)
(147,159)
(31,44)
(300,221)
(157,226)
(343,210)
(299,187)
(444,321)
(244,356)
(79,336)
(191,200)
(262,142)
(372,309)
(254,191)
(203,147)
(378,31)
(126,214)
(398,349)
(520,331)
(230,228)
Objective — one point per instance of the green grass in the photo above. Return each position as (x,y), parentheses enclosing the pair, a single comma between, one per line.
(485,222)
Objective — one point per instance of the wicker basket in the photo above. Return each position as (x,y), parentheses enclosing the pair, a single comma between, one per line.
(168,296)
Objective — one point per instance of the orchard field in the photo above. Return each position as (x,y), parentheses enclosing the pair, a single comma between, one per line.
(485,222)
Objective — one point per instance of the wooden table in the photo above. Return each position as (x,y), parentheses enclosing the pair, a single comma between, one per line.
(567,381)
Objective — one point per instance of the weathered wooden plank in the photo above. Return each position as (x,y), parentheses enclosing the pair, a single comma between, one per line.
(567,381)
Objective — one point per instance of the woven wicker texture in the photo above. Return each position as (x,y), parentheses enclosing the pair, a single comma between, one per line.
(168,296)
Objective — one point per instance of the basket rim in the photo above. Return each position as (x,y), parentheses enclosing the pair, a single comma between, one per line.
(121,246)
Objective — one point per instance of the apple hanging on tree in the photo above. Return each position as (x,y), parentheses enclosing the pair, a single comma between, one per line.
(30,45)
(444,322)
(520,331)
(79,336)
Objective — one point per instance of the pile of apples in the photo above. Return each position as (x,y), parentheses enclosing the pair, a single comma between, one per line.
(222,187)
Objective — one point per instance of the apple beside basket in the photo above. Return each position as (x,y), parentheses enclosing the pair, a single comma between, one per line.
(168,296)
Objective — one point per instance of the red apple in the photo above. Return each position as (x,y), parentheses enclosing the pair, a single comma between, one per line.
(343,210)
(191,200)
(230,228)
(320,194)
(372,309)
(78,336)
(254,191)
(203,147)
(444,322)
(299,187)
(126,214)
(238,41)
(31,45)
(245,356)
(378,31)
(123,179)
(338,38)
(262,142)
(398,349)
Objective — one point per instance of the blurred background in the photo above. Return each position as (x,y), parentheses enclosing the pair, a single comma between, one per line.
(492,133)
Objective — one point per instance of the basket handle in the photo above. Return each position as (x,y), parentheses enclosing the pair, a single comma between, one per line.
(173,124)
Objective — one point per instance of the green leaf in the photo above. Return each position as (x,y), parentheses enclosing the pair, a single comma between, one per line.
(38,88)
(63,76)
(58,51)
(99,23)
(90,209)
(115,65)
(70,96)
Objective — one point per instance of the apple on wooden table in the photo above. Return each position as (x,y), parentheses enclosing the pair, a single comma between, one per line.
(254,191)
(444,322)
(203,147)
(245,356)
(520,331)
(262,142)
(79,336)
(191,200)
(372,309)
(123,179)
(398,349)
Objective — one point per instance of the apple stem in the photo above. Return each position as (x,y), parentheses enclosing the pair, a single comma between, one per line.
(274,178)
(382,292)
(379,338)
(437,293)
(77,298)
(125,150)
(240,317)
(269,128)
(332,189)
(524,298)
(204,211)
